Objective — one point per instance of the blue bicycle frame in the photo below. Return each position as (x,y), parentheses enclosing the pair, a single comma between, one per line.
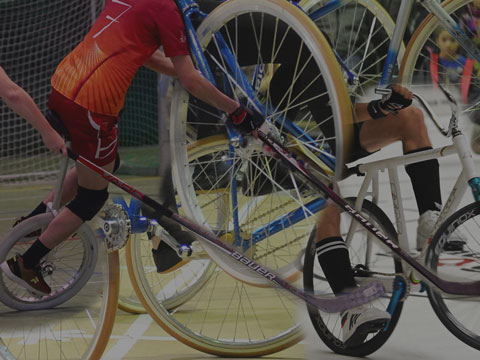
(189,8)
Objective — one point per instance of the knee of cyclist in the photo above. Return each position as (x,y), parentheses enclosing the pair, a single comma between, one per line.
(87,202)
(412,121)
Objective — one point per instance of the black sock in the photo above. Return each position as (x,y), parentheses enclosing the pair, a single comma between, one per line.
(40,209)
(425,178)
(34,254)
(333,257)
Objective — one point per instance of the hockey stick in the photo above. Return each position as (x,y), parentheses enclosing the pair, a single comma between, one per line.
(357,297)
(450,287)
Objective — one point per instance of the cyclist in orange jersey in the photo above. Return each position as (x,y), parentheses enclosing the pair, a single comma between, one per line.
(88,92)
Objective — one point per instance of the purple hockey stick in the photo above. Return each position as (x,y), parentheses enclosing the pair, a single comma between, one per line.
(357,297)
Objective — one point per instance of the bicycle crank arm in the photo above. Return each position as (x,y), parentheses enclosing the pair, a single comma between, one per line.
(331,304)
(184,251)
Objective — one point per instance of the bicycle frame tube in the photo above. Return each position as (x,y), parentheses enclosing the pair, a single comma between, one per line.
(328,8)
(289,219)
(60,181)
(391,165)
(465,157)
(187,9)
(395,43)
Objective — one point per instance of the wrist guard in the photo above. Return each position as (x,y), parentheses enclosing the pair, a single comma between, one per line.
(374,110)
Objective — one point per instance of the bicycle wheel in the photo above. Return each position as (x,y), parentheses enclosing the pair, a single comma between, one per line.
(423,66)
(239,193)
(313,103)
(370,262)
(203,293)
(77,318)
(360,33)
(456,312)
(248,326)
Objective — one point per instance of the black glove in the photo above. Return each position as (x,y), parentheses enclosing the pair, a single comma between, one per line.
(245,120)
(391,103)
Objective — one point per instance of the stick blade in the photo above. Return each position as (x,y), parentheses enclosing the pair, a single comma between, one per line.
(362,295)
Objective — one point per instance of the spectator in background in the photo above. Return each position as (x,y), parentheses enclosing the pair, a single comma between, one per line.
(447,66)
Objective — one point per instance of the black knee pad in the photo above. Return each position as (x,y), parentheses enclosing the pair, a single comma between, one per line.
(87,203)
(117,163)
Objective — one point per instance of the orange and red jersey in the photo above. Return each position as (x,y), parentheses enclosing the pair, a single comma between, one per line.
(98,72)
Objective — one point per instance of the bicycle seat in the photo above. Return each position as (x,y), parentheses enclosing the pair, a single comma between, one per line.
(56,122)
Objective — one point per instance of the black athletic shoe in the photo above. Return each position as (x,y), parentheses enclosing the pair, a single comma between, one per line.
(30,279)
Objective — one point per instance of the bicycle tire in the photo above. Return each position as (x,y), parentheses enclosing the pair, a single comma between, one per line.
(128,300)
(266,338)
(328,325)
(453,311)
(89,304)
(182,125)
(360,32)
(194,322)
(171,289)
(62,290)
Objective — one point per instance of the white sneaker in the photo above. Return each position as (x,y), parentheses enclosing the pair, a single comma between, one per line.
(427,222)
(360,321)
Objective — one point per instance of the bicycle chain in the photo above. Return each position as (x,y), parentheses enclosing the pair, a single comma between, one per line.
(260,216)
(298,238)
(266,213)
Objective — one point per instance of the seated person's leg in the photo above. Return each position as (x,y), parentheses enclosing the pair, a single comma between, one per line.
(333,256)
(408,127)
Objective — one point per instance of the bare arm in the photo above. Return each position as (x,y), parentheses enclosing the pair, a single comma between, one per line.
(200,87)
(160,63)
(20,102)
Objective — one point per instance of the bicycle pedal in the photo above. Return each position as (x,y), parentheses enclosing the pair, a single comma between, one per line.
(47,269)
